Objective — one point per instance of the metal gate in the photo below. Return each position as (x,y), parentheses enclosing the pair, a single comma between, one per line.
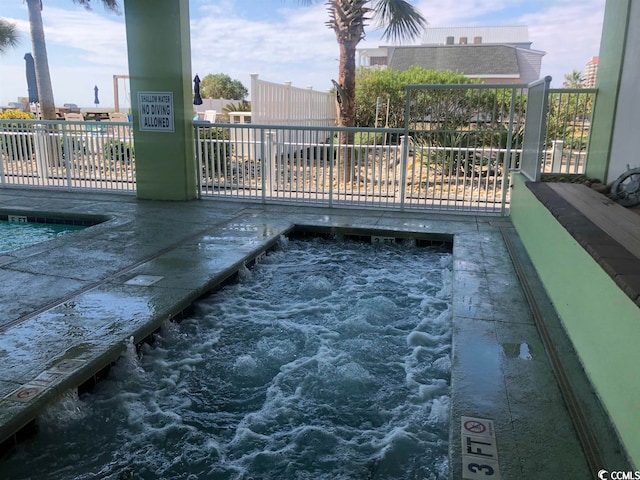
(454,151)
(463,140)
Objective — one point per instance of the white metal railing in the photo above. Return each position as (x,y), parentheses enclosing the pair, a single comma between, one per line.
(455,152)
(558,127)
(468,138)
(69,155)
(568,120)
(363,167)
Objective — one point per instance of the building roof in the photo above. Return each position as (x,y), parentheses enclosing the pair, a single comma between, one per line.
(518,34)
(471,60)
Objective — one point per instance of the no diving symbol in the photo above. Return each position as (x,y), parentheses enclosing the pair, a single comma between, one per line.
(474,426)
(26,393)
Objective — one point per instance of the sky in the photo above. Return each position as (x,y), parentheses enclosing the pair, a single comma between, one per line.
(280,40)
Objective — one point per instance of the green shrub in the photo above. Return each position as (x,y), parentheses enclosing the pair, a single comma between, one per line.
(237,107)
(369,138)
(119,151)
(389,87)
(17,146)
(215,147)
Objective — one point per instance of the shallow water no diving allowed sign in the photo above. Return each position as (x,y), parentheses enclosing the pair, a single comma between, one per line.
(155,110)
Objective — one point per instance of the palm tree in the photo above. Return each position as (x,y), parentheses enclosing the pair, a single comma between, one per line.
(43,78)
(574,79)
(8,35)
(348,19)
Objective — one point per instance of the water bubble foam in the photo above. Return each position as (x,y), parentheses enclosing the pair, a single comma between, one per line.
(315,286)
(378,310)
(325,363)
(440,410)
(245,366)
(244,274)
(423,339)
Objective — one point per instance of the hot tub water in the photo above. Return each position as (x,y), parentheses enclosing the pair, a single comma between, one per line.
(328,360)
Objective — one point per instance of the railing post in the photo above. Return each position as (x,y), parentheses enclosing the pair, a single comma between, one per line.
(404,157)
(556,156)
(534,134)
(3,151)
(200,170)
(507,160)
(332,156)
(69,160)
(269,164)
(42,159)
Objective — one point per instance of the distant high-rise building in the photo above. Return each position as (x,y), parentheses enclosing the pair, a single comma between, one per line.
(591,72)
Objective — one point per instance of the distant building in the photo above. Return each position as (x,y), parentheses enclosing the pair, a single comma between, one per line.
(492,54)
(591,73)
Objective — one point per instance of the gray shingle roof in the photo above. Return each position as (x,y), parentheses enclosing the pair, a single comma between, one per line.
(483,60)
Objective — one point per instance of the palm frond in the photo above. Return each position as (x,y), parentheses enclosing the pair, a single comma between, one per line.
(9,36)
(401,20)
(348,18)
(108,4)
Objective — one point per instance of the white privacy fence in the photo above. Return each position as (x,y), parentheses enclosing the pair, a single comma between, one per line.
(69,155)
(282,104)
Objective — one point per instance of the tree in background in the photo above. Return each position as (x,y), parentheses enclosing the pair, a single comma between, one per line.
(43,77)
(568,115)
(9,37)
(237,107)
(575,79)
(220,85)
(388,85)
(348,19)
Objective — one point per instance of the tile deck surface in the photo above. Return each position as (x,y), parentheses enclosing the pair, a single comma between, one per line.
(71,305)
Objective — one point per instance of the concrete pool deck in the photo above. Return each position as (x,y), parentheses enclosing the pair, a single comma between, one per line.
(71,305)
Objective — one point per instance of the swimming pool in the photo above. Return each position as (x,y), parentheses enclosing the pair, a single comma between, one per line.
(327,360)
(19,234)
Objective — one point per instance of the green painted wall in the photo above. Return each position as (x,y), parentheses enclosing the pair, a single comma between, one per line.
(159,50)
(602,322)
(612,50)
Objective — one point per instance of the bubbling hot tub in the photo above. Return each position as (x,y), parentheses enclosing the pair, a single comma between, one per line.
(329,359)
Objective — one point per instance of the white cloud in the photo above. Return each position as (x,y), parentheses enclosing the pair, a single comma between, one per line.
(84,49)
(100,40)
(464,13)
(570,34)
(296,47)
(87,48)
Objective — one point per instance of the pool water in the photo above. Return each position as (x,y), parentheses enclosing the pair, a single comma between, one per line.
(328,360)
(15,235)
